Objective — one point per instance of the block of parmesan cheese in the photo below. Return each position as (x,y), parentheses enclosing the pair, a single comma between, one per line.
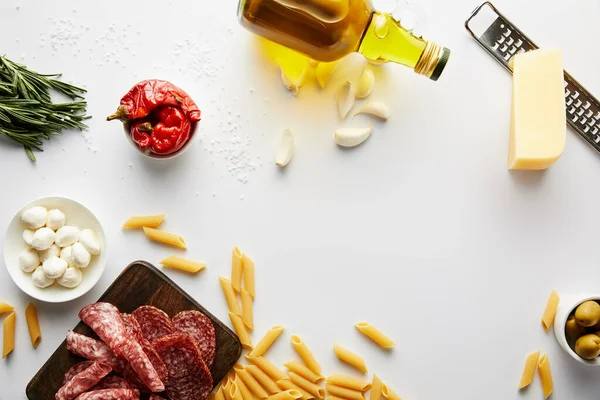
(538,116)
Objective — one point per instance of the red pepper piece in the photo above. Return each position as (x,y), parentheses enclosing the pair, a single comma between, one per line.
(148,95)
(138,132)
(170,133)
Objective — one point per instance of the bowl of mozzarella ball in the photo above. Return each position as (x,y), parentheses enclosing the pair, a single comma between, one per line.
(55,250)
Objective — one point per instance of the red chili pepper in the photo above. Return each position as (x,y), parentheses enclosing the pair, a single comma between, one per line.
(139,134)
(171,131)
(148,95)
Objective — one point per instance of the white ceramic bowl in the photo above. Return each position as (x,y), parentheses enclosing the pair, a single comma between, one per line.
(565,308)
(77,215)
(154,156)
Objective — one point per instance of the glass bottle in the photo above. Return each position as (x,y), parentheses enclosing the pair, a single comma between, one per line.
(327,30)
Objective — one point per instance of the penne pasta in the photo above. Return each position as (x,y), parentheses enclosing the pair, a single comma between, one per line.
(349,357)
(183,264)
(264,379)
(376,388)
(389,393)
(241,331)
(375,335)
(288,385)
(8,341)
(545,375)
(247,314)
(230,297)
(306,355)
(248,274)
(529,371)
(246,394)
(250,382)
(307,385)
(236,269)
(5,307)
(349,382)
(268,367)
(226,387)
(266,342)
(331,397)
(344,393)
(219,394)
(234,392)
(303,370)
(165,237)
(33,325)
(290,394)
(148,221)
(550,311)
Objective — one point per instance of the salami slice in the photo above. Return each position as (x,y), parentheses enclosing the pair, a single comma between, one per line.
(83,381)
(105,319)
(156,397)
(132,327)
(75,369)
(200,328)
(156,361)
(155,323)
(189,378)
(109,394)
(111,382)
(91,349)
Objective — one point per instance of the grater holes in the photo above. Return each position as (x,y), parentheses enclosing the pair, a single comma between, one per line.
(569,101)
(504,48)
(575,95)
(578,104)
(592,122)
(507,33)
(501,40)
(580,112)
(510,41)
(589,114)
(587,105)
(597,139)
(513,50)
(519,43)
(507,57)
(594,131)
(597,116)
(567,93)
(571,110)
(586,129)
(582,121)
(575,118)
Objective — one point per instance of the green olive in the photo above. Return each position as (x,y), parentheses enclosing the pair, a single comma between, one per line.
(573,330)
(588,346)
(588,313)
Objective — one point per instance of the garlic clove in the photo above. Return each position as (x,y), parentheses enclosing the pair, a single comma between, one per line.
(285,149)
(324,71)
(345,98)
(293,74)
(375,108)
(350,137)
(366,83)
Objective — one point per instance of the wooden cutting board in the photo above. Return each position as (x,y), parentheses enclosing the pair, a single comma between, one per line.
(139,284)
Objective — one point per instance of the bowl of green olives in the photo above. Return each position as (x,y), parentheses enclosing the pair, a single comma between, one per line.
(577,328)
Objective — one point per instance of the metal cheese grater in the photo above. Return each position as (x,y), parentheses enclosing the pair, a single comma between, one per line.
(502,40)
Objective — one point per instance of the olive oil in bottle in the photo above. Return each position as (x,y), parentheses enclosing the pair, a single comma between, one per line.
(327,30)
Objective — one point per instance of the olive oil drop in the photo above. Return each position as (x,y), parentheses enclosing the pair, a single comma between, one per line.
(327,30)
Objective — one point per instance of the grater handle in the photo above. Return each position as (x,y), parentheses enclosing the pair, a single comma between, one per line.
(502,40)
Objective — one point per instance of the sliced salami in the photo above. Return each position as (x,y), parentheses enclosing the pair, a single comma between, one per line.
(109,394)
(155,323)
(112,382)
(105,319)
(83,381)
(189,378)
(157,362)
(156,397)
(91,349)
(201,329)
(132,327)
(75,369)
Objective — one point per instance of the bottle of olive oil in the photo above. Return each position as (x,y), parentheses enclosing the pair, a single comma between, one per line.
(327,30)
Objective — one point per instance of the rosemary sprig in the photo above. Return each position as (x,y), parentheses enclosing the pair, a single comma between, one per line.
(27,114)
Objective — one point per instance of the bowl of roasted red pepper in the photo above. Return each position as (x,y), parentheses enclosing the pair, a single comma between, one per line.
(159,118)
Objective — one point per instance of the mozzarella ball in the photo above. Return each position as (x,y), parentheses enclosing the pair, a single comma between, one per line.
(35,217)
(67,235)
(71,278)
(43,239)
(66,254)
(53,251)
(56,219)
(29,260)
(28,236)
(81,257)
(88,239)
(40,279)
(54,267)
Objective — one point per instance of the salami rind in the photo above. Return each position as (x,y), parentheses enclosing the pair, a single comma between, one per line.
(132,327)
(91,349)
(83,381)
(154,323)
(109,394)
(200,328)
(189,378)
(75,369)
(106,320)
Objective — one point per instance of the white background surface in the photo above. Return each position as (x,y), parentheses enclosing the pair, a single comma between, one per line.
(421,230)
